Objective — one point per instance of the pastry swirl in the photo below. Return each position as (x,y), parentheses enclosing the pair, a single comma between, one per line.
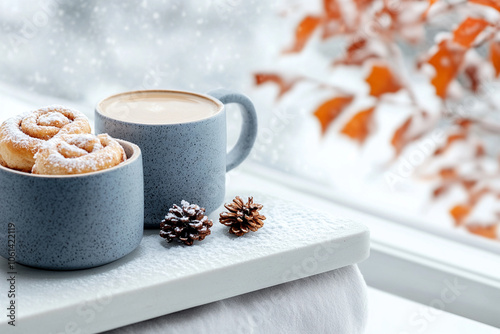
(78,154)
(22,136)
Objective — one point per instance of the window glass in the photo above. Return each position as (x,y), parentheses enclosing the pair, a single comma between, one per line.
(391,104)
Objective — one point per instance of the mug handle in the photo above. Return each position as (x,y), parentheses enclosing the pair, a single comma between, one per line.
(248,128)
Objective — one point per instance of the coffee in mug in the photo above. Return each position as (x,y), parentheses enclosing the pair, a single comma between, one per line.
(159,108)
(182,136)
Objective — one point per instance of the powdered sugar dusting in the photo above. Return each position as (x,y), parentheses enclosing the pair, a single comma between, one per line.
(10,131)
(60,109)
(70,151)
(53,119)
(77,154)
(22,136)
(50,116)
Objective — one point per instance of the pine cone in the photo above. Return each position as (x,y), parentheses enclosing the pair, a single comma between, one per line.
(242,217)
(187,223)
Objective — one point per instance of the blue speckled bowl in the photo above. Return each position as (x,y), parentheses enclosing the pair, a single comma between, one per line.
(73,221)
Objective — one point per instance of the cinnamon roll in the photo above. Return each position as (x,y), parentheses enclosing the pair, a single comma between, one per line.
(22,136)
(78,154)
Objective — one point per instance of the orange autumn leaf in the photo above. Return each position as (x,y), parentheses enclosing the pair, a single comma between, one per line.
(440,191)
(468,184)
(491,3)
(356,46)
(400,137)
(333,22)
(283,85)
(480,150)
(448,173)
(328,111)
(489,231)
(431,3)
(464,123)
(356,53)
(478,194)
(472,73)
(382,81)
(359,127)
(362,4)
(495,56)
(468,30)
(449,141)
(459,213)
(446,62)
(303,32)
(352,50)
(332,9)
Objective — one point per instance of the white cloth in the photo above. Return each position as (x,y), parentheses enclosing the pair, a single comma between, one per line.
(333,302)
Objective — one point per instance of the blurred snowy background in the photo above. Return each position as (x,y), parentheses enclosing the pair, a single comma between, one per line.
(83,51)
(86,50)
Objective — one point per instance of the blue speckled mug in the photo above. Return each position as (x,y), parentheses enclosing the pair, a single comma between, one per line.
(184,160)
(65,222)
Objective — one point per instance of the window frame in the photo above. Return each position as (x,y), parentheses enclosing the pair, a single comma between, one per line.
(416,264)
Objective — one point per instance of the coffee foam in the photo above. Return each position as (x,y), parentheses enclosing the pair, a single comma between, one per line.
(159,107)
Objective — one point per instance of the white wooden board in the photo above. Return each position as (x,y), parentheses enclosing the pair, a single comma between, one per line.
(160,278)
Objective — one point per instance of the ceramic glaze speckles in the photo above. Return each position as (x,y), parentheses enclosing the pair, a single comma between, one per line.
(74,221)
(185,161)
